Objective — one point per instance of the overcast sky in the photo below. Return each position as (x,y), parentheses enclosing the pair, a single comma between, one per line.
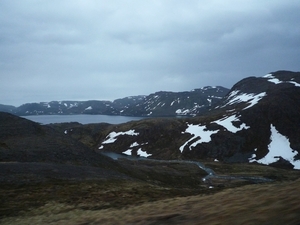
(104,50)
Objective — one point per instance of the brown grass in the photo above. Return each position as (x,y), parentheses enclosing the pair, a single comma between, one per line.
(275,203)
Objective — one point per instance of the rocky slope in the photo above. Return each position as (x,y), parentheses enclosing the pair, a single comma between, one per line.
(162,103)
(257,121)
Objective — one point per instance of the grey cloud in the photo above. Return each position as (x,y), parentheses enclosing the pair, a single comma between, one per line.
(51,49)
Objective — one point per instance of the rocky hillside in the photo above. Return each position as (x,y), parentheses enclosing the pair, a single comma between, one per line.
(162,103)
(31,153)
(189,103)
(22,140)
(257,121)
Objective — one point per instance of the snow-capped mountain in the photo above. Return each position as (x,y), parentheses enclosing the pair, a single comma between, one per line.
(189,103)
(257,121)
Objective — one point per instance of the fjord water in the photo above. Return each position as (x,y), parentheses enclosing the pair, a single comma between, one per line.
(82,118)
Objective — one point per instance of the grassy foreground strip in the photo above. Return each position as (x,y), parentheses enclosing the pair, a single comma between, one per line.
(273,203)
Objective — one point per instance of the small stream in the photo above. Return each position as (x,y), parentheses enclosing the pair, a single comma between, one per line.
(210,173)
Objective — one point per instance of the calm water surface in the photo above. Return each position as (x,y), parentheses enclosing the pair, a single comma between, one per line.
(83,119)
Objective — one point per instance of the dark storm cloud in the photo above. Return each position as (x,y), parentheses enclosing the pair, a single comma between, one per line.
(88,49)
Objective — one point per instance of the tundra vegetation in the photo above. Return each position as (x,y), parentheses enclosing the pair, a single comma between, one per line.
(155,193)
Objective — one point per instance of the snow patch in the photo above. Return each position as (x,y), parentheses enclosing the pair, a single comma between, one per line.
(128,152)
(272,79)
(182,111)
(112,137)
(134,145)
(269,75)
(227,123)
(295,83)
(73,105)
(142,153)
(200,134)
(236,97)
(275,80)
(197,131)
(88,108)
(279,146)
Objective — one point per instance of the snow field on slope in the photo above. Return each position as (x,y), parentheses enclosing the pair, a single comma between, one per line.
(112,137)
(279,146)
(236,97)
(227,123)
(275,80)
(198,131)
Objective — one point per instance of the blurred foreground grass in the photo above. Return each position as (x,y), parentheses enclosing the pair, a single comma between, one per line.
(147,201)
(276,203)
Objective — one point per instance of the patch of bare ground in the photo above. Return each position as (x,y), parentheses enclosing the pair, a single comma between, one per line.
(273,203)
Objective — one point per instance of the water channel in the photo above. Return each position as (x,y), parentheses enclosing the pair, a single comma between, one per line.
(210,173)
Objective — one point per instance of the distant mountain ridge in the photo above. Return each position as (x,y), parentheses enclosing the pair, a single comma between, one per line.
(163,103)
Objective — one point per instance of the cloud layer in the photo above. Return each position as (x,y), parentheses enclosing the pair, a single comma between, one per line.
(96,49)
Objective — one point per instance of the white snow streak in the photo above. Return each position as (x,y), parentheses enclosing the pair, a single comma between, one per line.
(279,146)
(197,131)
(142,153)
(128,152)
(295,83)
(277,81)
(251,98)
(134,145)
(227,123)
(112,137)
(182,111)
